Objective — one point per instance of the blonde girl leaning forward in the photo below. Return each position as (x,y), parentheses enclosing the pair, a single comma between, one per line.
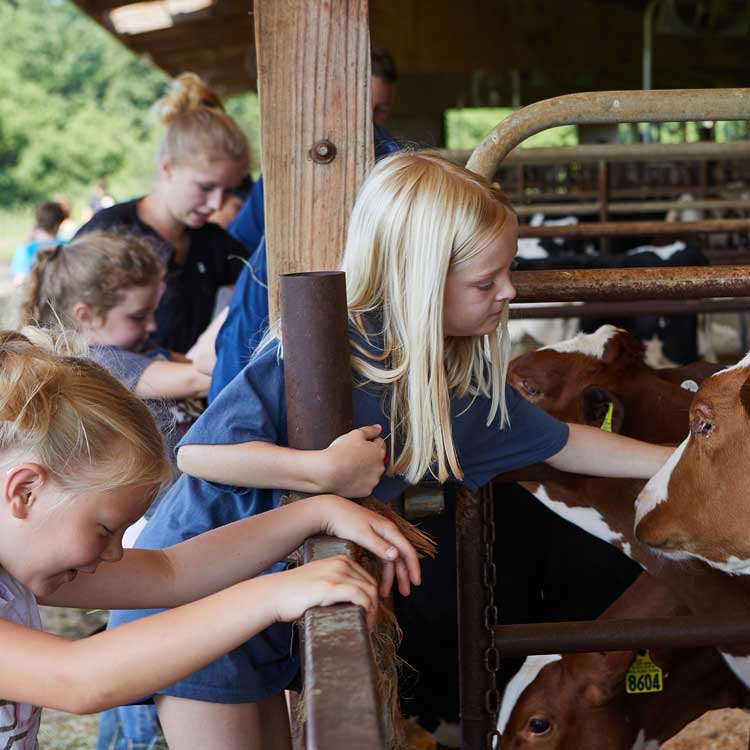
(80,460)
(202,157)
(427,260)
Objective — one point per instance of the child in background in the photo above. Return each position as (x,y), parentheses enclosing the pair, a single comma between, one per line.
(428,258)
(48,218)
(107,286)
(80,459)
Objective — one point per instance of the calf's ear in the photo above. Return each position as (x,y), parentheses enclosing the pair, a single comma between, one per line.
(607,672)
(601,408)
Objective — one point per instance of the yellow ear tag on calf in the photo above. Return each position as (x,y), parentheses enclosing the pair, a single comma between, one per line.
(644,676)
(607,423)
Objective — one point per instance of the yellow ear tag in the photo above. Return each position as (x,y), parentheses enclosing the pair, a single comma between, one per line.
(644,676)
(607,423)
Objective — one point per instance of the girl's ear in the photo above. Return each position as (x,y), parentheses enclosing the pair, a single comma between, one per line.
(83,315)
(21,487)
(166,167)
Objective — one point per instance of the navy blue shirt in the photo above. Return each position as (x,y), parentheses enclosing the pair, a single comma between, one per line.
(252,408)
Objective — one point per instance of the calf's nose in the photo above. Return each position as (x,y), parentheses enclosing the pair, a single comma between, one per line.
(653,532)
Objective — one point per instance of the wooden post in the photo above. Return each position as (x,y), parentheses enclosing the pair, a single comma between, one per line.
(316,128)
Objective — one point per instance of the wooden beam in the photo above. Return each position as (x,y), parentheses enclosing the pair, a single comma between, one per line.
(314,79)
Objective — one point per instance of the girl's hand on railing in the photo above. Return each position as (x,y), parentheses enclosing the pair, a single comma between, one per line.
(347,520)
(320,584)
(354,462)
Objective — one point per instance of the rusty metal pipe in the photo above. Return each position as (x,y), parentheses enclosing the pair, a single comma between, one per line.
(680,282)
(666,105)
(339,667)
(690,631)
(472,674)
(636,228)
(628,309)
(614,152)
(591,208)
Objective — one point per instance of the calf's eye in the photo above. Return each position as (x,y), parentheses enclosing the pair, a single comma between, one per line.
(702,427)
(538,725)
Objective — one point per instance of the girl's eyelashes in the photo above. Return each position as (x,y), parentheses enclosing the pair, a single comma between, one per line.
(486,286)
(108,531)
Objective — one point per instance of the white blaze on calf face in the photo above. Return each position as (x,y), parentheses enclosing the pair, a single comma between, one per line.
(740,665)
(529,671)
(744,362)
(655,491)
(590,344)
(588,519)
(641,743)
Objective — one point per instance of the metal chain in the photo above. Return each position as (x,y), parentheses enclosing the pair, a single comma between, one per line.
(489,579)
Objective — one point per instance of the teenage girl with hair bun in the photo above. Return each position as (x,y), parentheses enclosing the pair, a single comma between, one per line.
(80,460)
(204,154)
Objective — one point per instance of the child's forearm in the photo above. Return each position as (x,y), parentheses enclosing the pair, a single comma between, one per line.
(257,464)
(598,453)
(136,659)
(146,579)
(172,380)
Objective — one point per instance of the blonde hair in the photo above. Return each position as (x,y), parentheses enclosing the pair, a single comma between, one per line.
(95,268)
(197,125)
(71,416)
(415,217)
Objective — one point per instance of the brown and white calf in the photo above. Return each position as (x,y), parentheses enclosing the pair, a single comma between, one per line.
(576,381)
(579,701)
(698,504)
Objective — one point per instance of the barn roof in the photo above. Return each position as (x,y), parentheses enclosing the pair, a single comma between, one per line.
(476,53)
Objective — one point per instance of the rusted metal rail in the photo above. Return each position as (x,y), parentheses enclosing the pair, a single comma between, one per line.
(339,674)
(627,309)
(636,228)
(690,631)
(632,207)
(666,105)
(614,152)
(622,284)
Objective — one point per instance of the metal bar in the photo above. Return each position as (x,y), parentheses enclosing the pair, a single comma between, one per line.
(689,631)
(666,105)
(603,203)
(629,207)
(339,668)
(679,282)
(615,152)
(627,309)
(636,228)
(475,719)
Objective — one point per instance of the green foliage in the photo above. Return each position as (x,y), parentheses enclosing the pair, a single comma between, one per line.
(75,106)
(465,128)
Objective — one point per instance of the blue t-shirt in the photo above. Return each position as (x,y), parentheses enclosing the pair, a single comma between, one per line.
(23,256)
(252,408)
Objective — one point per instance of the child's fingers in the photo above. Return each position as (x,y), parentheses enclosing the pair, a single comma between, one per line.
(402,574)
(399,547)
(371,431)
(346,568)
(387,577)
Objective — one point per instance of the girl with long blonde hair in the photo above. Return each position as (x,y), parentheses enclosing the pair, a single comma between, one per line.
(428,258)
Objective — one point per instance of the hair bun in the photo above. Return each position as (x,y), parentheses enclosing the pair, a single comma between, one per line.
(187,92)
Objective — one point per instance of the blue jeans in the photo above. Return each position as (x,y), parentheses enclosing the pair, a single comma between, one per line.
(130,728)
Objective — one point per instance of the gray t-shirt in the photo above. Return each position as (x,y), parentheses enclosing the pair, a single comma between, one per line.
(19,722)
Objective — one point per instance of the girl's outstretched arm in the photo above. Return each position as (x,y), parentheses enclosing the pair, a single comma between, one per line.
(351,465)
(145,579)
(162,379)
(593,451)
(138,658)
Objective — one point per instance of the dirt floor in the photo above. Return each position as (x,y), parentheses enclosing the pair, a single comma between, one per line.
(61,731)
